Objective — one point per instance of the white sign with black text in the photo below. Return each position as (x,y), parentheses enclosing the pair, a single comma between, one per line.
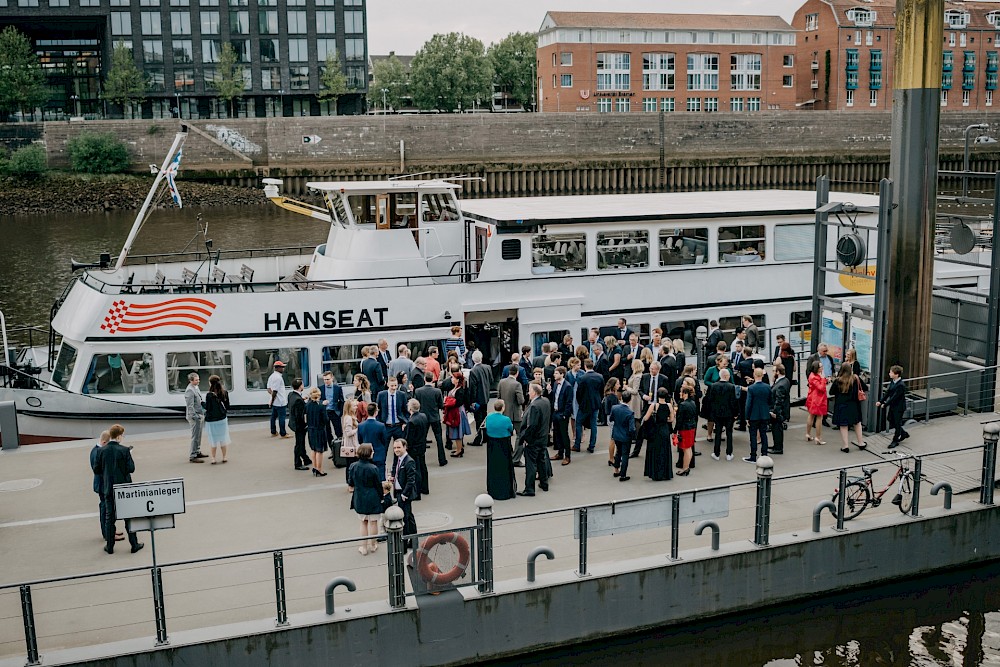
(149,499)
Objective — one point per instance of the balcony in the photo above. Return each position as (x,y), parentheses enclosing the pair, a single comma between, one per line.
(815,65)
(814,84)
(992,66)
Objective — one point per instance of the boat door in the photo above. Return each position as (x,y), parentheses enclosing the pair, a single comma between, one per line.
(382,211)
(494,333)
(481,240)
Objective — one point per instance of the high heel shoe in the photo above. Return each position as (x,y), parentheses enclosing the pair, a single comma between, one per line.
(320,473)
(458,455)
(683,473)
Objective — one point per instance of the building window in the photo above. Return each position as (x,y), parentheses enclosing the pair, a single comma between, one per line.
(850,98)
(944,98)
(961,39)
(180,23)
(989,98)
(680,247)
(951,39)
(58,3)
(210,50)
(622,250)
(873,98)
(558,253)
(786,81)
(613,71)
(876,81)
(623,105)
(658,71)
(128,373)
(861,17)
(851,59)
(851,81)
(555,80)
(745,71)
(694,104)
(298,50)
(297,22)
(114,3)
(566,80)
(155,80)
(326,22)
(354,49)
(736,104)
(741,245)
(324,48)
(150,23)
(968,80)
(753,104)
(794,242)
(992,61)
(667,104)
(27,3)
(209,23)
(239,23)
(991,81)
(205,364)
(566,59)
(258,365)
(946,81)
(857,37)
(298,78)
(966,96)
(649,104)
(876,60)
(869,38)
(812,21)
(703,71)
(788,60)
(267,22)
(354,22)
(711,104)
(121,23)
(208,3)
(270,78)
(152,52)
(183,80)
(182,51)
(956,19)
(242,49)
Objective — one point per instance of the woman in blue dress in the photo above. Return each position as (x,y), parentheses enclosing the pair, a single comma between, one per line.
(316,421)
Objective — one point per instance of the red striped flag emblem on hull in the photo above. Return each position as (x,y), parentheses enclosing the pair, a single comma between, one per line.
(192,313)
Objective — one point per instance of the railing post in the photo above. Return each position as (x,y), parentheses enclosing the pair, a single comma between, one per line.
(397,586)
(158,609)
(762,523)
(582,529)
(842,500)
(28,615)
(990,436)
(967,376)
(675,527)
(279,589)
(915,508)
(484,542)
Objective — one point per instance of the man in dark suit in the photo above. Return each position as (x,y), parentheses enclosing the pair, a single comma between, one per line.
(297,422)
(114,465)
(392,409)
(743,380)
(383,356)
(404,480)
(588,397)
(535,436)
(480,384)
(525,363)
(372,369)
(539,359)
(648,386)
(780,392)
(333,401)
(630,353)
(431,403)
(714,336)
(562,410)
(894,400)
(602,362)
(723,407)
(623,332)
(373,432)
(415,434)
(102,505)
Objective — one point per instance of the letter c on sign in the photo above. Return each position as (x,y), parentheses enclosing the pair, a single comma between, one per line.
(149,505)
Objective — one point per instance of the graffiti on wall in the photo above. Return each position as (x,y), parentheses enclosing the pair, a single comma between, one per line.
(234,139)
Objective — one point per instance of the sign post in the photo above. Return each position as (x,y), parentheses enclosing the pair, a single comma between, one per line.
(151,506)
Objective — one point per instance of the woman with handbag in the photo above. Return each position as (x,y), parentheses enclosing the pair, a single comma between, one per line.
(216,417)
(848,392)
(455,416)
(367,495)
(349,426)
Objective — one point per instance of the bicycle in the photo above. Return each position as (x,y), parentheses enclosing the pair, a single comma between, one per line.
(860,491)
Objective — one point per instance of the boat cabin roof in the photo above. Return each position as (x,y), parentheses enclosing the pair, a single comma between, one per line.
(515,213)
(376,187)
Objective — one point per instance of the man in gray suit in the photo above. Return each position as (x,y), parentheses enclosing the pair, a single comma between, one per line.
(480,384)
(535,436)
(512,394)
(194,411)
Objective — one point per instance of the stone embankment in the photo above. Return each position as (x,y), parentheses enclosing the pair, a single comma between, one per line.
(63,193)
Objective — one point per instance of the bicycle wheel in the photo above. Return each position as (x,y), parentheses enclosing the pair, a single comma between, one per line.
(906,493)
(856,499)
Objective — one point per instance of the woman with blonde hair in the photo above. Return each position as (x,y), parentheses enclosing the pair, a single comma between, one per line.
(679,352)
(646,357)
(349,427)
(316,422)
(847,390)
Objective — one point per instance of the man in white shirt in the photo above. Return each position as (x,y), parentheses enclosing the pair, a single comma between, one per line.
(279,399)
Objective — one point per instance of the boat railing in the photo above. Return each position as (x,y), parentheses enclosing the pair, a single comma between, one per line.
(203,255)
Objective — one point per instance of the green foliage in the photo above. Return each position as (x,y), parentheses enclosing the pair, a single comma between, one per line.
(22,81)
(229,83)
(513,60)
(390,75)
(98,154)
(451,72)
(26,161)
(125,84)
(332,81)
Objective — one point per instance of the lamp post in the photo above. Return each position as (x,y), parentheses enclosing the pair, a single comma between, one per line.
(177,103)
(385,106)
(281,102)
(983,127)
(76,104)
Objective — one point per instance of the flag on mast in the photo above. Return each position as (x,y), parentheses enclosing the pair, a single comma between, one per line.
(171,173)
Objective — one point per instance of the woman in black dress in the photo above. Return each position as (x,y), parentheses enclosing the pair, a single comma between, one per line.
(658,420)
(847,406)
(366,496)
(316,421)
(499,457)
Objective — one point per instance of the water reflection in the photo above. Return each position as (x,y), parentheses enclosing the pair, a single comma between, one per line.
(946,619)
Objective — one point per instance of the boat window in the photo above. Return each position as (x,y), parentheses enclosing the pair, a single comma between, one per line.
(418,348)
(553,253)
(402,210)
(640,328)
(686,330)
(741,245)
(259,365)
(801,329)
(728,325)
(622,250)
(337,201)
(439,207)
(65,364)
(794,242)
(541,337)
(204,363)
(343,361)
(363,208)
(683,246)
(120,373)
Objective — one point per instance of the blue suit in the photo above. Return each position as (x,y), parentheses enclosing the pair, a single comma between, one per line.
(402,415)
(374,433)
(622,432)
(335,406)
(758,411)
(588,398)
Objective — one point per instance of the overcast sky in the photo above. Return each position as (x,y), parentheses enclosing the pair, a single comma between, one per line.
(404,25)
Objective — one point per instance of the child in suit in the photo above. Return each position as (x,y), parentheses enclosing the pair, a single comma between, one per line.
(894,400)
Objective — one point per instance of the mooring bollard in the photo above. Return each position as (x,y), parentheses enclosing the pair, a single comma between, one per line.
(990,436)
(535,553)
(484,542)
(582,529)
(762,523)
(946,487)
(714,527)
(328,593)
(824,505)
(675,527)
(397,585)
(279,589)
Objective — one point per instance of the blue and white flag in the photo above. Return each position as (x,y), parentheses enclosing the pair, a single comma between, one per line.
(171,174)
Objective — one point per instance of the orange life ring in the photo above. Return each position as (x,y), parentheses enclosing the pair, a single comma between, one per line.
(429,570)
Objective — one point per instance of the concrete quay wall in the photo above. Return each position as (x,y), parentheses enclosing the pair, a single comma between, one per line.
(561,608)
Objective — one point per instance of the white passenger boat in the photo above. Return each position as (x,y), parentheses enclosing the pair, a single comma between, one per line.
(405,261)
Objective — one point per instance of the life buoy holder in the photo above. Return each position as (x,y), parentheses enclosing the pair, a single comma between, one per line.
(429,570)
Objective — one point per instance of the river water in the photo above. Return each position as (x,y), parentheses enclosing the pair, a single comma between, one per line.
(950,619)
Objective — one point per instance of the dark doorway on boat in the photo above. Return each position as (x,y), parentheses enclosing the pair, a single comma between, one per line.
(494,333)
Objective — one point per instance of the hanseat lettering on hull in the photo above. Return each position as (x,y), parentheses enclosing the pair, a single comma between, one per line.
(328,319)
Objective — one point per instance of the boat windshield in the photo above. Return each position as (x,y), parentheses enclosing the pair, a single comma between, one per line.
(65,363)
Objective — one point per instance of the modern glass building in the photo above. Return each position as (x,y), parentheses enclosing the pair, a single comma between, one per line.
(282,46)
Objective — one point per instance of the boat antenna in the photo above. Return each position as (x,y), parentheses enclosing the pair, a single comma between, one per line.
(140,218)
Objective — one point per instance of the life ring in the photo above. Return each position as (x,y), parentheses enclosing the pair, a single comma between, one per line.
(429,570)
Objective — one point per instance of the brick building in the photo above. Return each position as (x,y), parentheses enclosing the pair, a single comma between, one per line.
(846,50)
(633,63)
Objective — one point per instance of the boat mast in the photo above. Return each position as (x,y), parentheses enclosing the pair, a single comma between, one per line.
(141,217)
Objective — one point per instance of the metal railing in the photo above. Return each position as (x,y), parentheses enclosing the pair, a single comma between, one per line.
(971,390)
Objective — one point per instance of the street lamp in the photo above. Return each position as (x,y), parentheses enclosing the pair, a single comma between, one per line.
(385,106)
(76,104)
(177,104)
(982,139)
(281,102)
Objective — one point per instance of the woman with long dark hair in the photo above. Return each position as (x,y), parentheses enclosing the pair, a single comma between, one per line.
(846,390)
(216,417)
(659,420)
(816,403)
(454,414)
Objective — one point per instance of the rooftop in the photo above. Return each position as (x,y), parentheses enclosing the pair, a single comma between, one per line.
(885,12)
(658,21)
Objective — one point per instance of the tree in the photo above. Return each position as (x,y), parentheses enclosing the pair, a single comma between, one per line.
(390,76)
(451,72)
(229,83)
(513,60)
(22,81)
(125,84)
(332,82)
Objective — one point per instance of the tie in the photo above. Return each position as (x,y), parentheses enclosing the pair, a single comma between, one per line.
(399,464)
(558,389)
(652,389)
(392,409)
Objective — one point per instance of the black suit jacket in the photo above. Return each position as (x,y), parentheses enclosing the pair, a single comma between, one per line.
(536,422)
(431,402)
(383,359)
(894,399)
(722,403)
(589,388)
(373,370)
(406,475)
(480,381)
(114,465)
(415,433)
(296,411)
(713,339)
(564,408)
(646,385)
